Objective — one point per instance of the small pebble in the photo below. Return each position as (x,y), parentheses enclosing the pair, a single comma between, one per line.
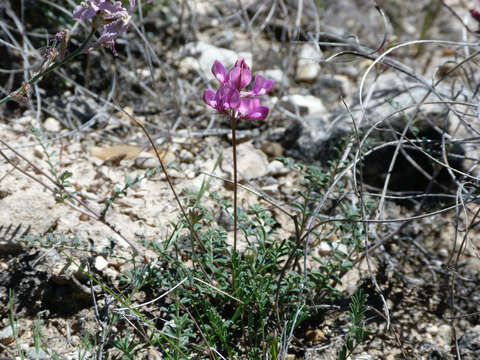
(52,125)
(314,335)
(6,335)
(432,330)
(100,263)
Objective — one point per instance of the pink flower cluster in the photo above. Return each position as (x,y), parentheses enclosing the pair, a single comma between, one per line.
(113,15)
(230,99)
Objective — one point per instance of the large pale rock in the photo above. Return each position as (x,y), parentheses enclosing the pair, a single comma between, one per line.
(251,163)
(33,209)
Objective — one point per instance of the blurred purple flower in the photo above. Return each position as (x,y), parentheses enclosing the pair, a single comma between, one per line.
(113,15)
(230,100)
(475,14)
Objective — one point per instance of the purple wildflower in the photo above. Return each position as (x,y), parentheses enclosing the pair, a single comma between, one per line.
(113,15)
(230,99)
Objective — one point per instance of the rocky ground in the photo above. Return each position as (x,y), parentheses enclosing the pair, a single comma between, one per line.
(425,259)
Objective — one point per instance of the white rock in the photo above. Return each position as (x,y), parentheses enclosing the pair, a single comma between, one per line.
(251,163)
(276,168)
(324,249)
(308,66)
(146,160)
(341,248)
(313,104)
(445,334)
(6,335)
(187,156)
(363,356)
(188,63)
(196,184)
(100,263)
(443,253)
(432,330)
(203,56)
(52,125)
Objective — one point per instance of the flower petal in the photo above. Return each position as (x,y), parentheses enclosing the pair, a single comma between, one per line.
(258,83)
(244,107)
(219,72)
(267,86)
(81,12)
(261,86)
(113,30)
(209,98)
(258,113)
(227,98)
(248,105)
(240,76)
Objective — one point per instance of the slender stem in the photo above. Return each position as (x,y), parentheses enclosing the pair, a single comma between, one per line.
(169,180)
(37,77)
(234,150)
(234,144)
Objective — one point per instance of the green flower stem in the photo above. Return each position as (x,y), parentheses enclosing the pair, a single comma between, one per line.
(51,68)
